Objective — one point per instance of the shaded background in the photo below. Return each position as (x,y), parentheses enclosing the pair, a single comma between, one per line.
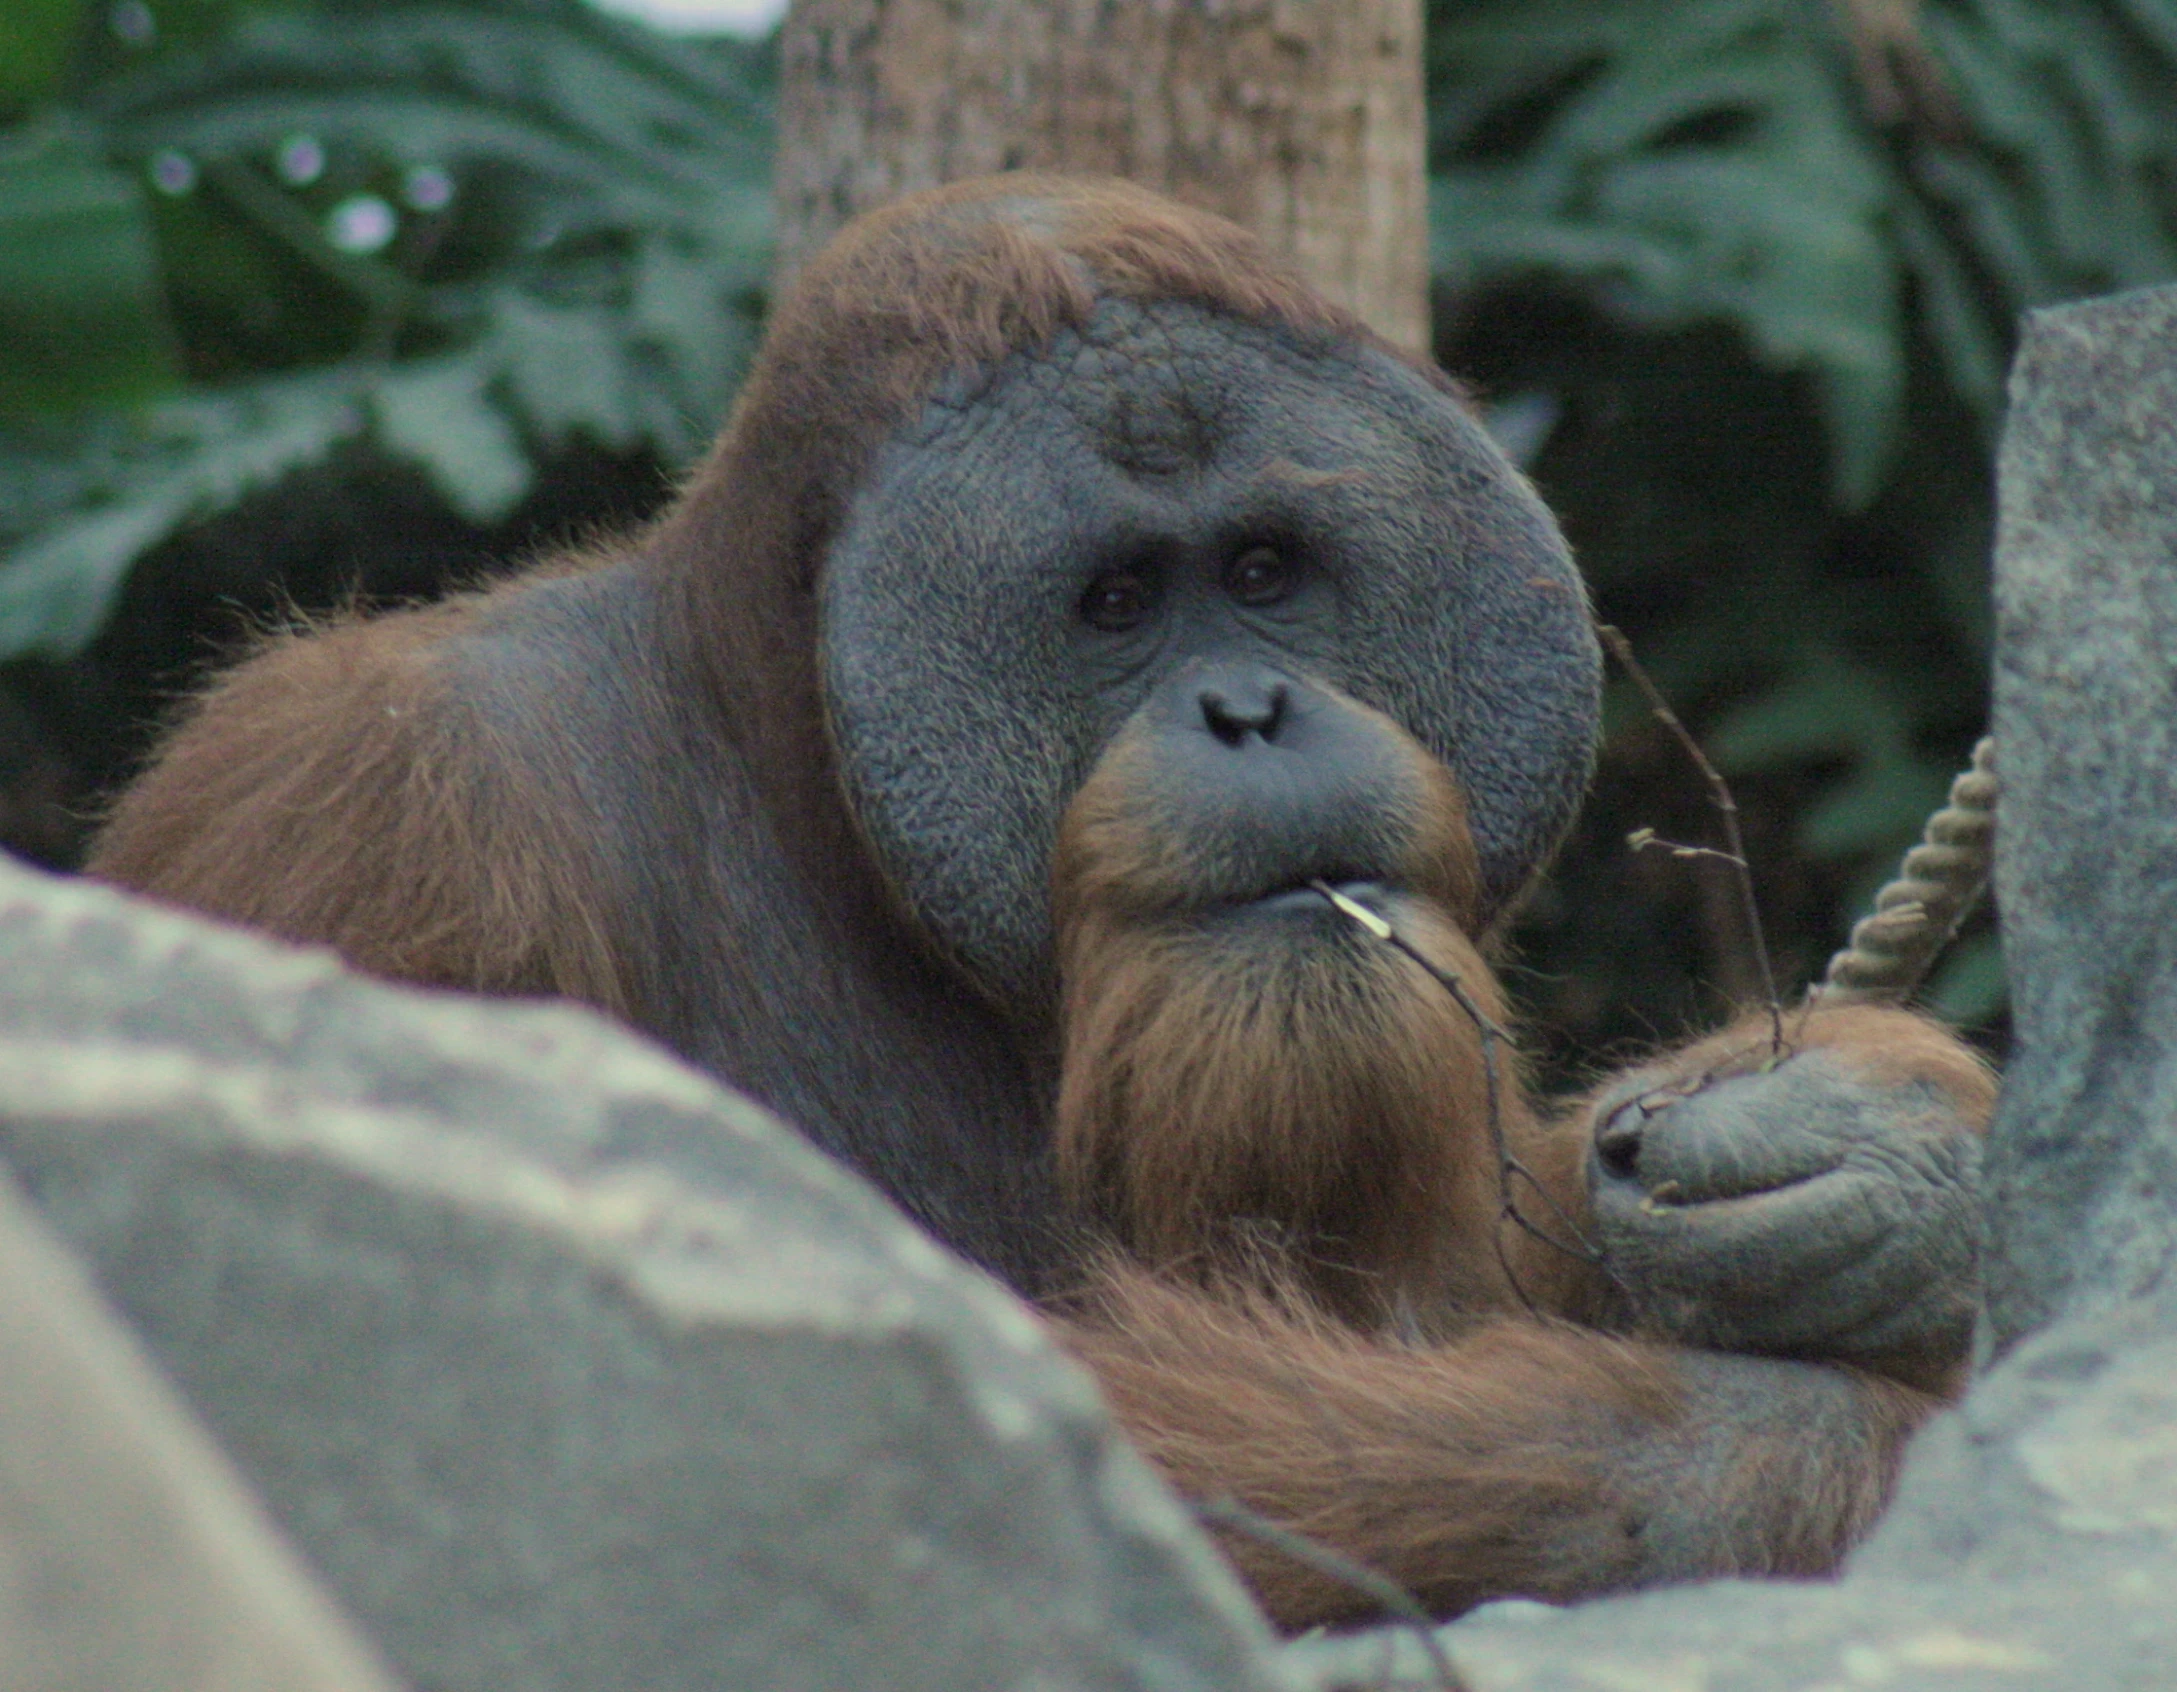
(310,301)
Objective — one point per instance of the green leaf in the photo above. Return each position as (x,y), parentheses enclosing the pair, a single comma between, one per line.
(602,224)
(114,496)
(568,371)
(37,39)
(439,416)
(1714,160)
(56,590)
(584,265)
(81,322)
(1971,345)
(1685,162)
(679,308)
(1881,807)
(2064,186)
(1829,708)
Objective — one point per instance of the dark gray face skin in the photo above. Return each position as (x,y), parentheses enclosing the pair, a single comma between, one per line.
(1044,549)
(1262,783)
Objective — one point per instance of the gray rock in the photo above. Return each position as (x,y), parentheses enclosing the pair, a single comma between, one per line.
(132,1558)
(2083,1169)
(565,1368)
(2033,1544)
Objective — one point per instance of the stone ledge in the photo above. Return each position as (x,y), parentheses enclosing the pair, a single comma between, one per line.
(564,1367)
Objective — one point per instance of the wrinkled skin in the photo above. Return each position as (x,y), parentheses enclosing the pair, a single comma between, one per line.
(1802,1204)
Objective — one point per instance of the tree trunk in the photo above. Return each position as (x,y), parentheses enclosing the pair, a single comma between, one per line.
(1299,119)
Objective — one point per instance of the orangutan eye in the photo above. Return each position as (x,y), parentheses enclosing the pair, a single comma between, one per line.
(1117,601)
(1260,576)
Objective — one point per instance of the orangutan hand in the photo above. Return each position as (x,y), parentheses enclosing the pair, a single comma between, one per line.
(1821,1202)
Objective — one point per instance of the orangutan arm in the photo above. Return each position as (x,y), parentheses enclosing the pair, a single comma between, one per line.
(1519,1459)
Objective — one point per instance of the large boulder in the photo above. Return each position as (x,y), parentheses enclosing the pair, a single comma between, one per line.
(2082,1170)
(563,1367)
(132,1557)
(2033,1543)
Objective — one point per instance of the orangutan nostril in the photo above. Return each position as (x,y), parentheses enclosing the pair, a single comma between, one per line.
(1617,1141)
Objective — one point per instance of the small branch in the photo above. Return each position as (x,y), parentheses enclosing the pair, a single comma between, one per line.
(1719,793)
(1643,838)
(1509,1167)
(1397,1603)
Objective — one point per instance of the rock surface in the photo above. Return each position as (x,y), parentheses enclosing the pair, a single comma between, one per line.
(566,1369)
(2034,1540)
(2083,1172)
(132,1557)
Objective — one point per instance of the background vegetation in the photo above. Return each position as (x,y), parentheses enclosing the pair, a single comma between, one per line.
(305,299)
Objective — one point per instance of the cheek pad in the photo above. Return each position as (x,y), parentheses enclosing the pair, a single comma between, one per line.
(1518,692)
(957,737)
(1471,628)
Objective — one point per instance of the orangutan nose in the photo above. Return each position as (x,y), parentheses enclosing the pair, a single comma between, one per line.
(1617,1141)
(1246,701)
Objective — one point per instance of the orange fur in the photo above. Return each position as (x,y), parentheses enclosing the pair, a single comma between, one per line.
(1521,1457)
(1312,1302)
(333,791)
(1886,1045)
(1327,1101)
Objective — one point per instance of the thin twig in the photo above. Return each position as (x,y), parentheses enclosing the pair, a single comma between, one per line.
(1643,838)
(1719,792)
(1509,1167)
(1397,1603)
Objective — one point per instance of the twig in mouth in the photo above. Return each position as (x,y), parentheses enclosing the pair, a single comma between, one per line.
(1509,1167)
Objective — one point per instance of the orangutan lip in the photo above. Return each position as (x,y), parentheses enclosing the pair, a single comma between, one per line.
(1306,895)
